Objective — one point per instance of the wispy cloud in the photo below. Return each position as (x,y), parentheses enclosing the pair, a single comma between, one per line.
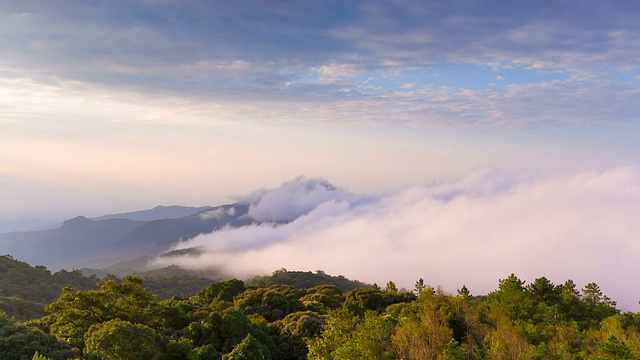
(473,231)
(302,56)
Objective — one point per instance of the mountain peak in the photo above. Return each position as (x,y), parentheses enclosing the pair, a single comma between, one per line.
(78,220)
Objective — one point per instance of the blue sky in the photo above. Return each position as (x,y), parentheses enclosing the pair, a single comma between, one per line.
(109,106)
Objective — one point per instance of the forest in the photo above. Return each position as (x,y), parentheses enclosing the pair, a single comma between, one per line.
(301,315)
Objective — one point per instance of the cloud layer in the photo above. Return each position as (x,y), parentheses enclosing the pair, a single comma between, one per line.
(474,231)
(294,61)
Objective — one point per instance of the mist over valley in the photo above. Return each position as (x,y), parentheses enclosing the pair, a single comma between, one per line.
(470,232)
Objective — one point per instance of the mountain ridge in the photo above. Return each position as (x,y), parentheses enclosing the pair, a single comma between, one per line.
(91,242)
(159,212)
(83,242)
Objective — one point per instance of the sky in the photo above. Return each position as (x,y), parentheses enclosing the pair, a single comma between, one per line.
(115,106)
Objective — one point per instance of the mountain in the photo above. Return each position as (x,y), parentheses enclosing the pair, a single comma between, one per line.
(124,239)
(157,213)
(82,242)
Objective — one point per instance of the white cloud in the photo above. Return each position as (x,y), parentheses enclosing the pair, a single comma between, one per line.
(334,72)
(579,226)
(217,213)
(266,77)
(294,199)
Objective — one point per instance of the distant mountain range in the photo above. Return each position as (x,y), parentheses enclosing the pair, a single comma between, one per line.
(157,213)
(99,242)
(124,243)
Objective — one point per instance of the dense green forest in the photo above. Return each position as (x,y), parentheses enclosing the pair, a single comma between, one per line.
(302,319)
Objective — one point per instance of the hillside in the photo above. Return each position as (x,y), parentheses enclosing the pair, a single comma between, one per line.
(26,289)
(82,242)
(228,320)
(306,280)
(157,213)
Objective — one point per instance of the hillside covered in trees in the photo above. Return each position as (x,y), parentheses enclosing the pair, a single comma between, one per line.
(231,319)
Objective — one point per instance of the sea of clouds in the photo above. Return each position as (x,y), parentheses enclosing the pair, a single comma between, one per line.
(573,225)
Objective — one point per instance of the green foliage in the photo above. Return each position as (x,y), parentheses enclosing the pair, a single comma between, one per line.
(123,320)
(273,303)
(224,290)
(224,330)
(323,298)
(37,356)
(248,349)
(420,286)
(338,329)
(21,309)
(76,311)
(24,287)
(505,342)
(171,286)
(423,330)
(21,342)
(329,290)
(304,324)
(305,280)
(617,337)
(121,340)
(359,301)
(371,338)
(543,291)
(453,351)
(615,349)
(348,337)
(464,293)
(391,287)
(320,302)
(181,349)
(290,347)
(207,352)
(511,299)
(171,314)
(294,331)
(596,306)
(517,321)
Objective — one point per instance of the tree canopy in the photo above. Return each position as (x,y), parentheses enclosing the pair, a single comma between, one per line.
(121,319)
